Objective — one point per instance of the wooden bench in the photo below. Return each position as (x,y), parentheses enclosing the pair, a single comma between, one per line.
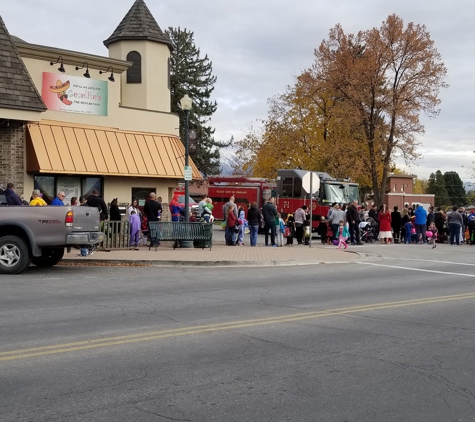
(201,234)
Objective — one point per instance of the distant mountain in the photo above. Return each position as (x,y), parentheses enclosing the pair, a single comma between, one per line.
(226,168)
(469,186)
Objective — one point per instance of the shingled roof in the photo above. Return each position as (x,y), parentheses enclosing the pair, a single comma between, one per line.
(17,89)
(138,24)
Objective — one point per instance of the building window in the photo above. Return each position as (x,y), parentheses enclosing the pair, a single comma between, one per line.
(77,186)
(46,185)
(134,72)
(394,188)
(297,188)
(90,183)
(142,194)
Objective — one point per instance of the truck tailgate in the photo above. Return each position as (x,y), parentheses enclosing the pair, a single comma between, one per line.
(85,219)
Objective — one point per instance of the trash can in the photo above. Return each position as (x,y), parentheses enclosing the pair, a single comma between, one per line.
(208,234)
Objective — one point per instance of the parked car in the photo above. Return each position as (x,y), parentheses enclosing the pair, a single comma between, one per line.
(3,199)
(179,196)
(39,235)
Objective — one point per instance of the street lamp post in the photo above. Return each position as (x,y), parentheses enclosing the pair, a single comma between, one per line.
(186,103)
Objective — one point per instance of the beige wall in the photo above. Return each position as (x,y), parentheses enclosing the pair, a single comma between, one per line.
(21,115)
(123,118)
(153,93)
(121,187)
(28,185)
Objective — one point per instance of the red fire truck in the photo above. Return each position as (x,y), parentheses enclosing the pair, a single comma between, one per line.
(244,189)
(291,194)
(288,191)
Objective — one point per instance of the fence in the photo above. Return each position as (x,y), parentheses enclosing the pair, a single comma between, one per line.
(117,235)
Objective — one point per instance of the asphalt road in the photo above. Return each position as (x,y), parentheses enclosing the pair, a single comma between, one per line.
(388,339)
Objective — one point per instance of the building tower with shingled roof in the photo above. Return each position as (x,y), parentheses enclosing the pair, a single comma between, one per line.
(139,39)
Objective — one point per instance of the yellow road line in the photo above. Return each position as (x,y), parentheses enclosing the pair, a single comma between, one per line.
(185,331)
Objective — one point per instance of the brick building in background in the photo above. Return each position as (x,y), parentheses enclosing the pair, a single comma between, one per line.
(399,191)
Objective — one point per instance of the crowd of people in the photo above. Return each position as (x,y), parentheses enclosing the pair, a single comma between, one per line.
(344,224)
(409,225)
(236,223)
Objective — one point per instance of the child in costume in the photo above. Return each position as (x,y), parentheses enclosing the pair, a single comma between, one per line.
(280,231)
(207,213)
(343,234)
(322,229)
(408,232)
(434,231)
(135,223)
(242,227)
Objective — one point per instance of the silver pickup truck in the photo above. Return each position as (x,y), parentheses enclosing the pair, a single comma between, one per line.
(39,235)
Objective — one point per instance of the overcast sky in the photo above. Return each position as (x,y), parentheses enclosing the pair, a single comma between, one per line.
(258,47)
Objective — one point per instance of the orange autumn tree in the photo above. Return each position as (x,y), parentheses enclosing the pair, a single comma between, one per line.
(287,139)
(306,128)
(356,109)
(335,130)
(386,78)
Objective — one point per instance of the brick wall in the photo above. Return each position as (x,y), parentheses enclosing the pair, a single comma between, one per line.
(12,154)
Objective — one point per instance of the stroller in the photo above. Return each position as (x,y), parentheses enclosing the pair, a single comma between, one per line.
(367,231)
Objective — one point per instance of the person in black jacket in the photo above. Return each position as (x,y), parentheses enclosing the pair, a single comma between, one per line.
(396,223)
(353,218)
(269,211)
(253,221)
(94,200)
(430,216)
(114,211)
(115,215)
(322,230)
(11,196)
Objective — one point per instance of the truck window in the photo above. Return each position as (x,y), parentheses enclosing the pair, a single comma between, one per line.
(288,187)
(341,193)
(297,188)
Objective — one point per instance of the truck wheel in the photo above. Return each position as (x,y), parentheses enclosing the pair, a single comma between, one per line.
(49,257)
(14,255)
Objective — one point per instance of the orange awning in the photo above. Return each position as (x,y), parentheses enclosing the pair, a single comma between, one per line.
(70,148)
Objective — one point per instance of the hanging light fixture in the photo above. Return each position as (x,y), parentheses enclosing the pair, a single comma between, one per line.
(111,77)
(60,61)
(86,74)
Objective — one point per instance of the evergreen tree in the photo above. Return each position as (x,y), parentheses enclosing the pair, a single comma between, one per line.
(436,186)
(191,74)
(455,188)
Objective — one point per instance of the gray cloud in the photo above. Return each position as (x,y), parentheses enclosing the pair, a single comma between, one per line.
(258,47)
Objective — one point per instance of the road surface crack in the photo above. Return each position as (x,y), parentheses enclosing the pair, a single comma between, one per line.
(162,416)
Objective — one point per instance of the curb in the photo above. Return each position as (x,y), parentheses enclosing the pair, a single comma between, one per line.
(178,263)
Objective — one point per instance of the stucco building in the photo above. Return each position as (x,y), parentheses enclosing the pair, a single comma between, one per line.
(74,121)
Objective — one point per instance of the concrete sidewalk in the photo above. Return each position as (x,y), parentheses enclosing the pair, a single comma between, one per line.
(220,255)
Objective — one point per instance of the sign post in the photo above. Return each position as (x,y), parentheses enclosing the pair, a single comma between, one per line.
(188,173)
(311,184)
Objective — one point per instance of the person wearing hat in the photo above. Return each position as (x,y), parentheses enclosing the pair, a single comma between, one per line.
(322,230)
